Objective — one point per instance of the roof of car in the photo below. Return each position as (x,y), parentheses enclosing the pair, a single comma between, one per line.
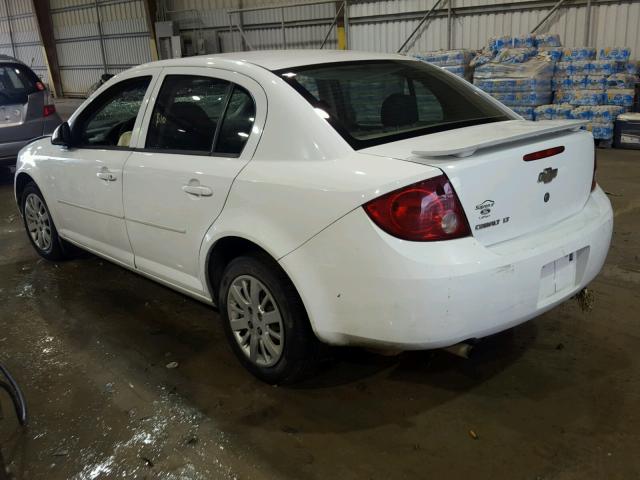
(279,59)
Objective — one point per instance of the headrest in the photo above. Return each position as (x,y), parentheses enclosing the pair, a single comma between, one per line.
(399,110)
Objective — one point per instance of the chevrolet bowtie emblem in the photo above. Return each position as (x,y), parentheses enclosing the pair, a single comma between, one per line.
(547,175)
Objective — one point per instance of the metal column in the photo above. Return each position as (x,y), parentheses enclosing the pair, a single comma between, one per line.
(548,15)
(13,45)
(420,24)
(102,52)
(587,24)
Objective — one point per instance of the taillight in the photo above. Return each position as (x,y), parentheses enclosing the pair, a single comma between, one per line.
(595,167)
(426,211)
(49,110)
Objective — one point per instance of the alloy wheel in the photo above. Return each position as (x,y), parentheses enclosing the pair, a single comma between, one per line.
(38,221)
(255,320)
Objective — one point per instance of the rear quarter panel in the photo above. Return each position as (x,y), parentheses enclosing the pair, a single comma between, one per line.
(303,177)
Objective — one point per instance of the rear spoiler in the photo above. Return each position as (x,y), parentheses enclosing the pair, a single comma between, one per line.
(457,144)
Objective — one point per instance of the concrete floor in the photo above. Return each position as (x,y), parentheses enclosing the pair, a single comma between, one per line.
(555,398)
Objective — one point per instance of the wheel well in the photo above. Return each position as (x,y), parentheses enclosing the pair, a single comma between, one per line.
(21,182)
(223,251)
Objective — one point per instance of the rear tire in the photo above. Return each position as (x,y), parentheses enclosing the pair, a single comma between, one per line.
(39,225)
(265,321)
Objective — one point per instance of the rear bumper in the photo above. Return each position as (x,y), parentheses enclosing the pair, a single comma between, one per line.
(362,286)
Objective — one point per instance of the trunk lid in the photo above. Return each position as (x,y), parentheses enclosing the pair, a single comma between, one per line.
(504,196)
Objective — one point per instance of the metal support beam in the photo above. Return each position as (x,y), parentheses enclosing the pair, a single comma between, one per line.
(284,34)
(420,24)
(346,25)
(335,20)
(10,28)
(449,25)
(45,28)
(587,25)
(150,9)
(548,15)
(340,30)
(102,52)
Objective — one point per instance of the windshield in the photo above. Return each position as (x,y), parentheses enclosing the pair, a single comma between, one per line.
(16,83)
(380,101)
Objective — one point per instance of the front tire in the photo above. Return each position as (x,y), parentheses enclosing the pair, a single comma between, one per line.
(39,225)
(265,321)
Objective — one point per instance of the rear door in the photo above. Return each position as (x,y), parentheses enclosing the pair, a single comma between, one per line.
(21,103)
(201,131)
(88,177)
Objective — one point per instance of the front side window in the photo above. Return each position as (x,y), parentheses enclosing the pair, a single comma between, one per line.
(110,118)
(375,102)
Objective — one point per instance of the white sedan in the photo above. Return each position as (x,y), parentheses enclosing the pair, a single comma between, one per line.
(323,197)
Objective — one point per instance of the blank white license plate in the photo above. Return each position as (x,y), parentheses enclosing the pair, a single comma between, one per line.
(558,276)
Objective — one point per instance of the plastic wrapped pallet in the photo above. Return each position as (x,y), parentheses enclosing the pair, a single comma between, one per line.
(553,53)
(517,85)
(515,55)
(633,68)
(548,40)
(586,67)
(527,113)
(483,57)
(455,61)
(500,43)
(503,85)
(524,41)
(523,99)
(579,97)
(600,131)
(619,54)
(444,58)
(621,80)
(534,68)
(579,53)
(620,96)
(553,112)
(598,113)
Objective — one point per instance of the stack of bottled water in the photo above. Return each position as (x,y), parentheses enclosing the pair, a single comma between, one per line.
(454,61)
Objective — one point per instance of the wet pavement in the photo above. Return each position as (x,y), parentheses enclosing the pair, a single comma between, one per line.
(555,398)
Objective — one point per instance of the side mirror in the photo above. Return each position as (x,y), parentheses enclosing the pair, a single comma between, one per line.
(62,135)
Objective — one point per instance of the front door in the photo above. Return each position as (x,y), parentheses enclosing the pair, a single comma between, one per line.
(88,176)
(202,130)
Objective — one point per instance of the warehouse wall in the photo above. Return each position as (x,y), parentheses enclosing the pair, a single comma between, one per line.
(208,20)
(97,36)
(19,36)
(612,23)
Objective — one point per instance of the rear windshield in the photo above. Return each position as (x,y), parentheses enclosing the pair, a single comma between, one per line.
(17,82)
(375,102)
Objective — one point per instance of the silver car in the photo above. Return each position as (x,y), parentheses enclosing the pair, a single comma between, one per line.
(26,109)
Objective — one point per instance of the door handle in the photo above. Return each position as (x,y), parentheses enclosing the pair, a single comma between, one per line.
(197,190)
(106,175)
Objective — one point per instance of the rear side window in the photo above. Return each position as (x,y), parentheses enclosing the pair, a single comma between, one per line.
(17,82)
(201,115)
(237,124)
(380,101)
(109,119)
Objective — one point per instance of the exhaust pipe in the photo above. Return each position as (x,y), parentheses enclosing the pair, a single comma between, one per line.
(462,349)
